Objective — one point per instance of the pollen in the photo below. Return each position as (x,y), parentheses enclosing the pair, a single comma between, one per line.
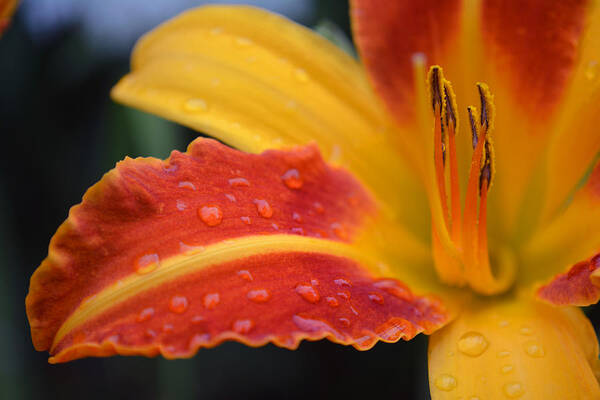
(460,245)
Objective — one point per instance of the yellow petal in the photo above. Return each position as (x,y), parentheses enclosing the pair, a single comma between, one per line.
(256,80)
(515,349)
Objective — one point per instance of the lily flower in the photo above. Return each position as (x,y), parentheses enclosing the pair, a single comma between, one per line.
(448,185)
(7,9)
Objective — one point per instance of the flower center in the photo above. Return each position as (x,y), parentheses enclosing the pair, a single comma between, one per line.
(459,236)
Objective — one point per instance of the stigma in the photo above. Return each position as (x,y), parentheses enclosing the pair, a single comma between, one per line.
(459,235)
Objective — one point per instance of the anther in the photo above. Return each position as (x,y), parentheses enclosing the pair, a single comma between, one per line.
(484,118)
(472,112)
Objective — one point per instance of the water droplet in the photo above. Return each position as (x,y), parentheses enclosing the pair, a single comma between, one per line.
(150,334)
(445,382)
(592,70)
(259,295)
(211,300)
(243,42)
(534,349)
(239,182)
(344,294)
(503,323)
(230,197)
(319,207)
(263,208)
(210,215)
(394,288)
(180,205)
(297,230)
(275,226)
(339,231)
(195,105)
(296,217)
(216,31)
(513,390)
(525,330)
(345,283)
(187,184)
(353,310)
(315,282)
(345,322)
(292,179)
(246,220)
(243,326)
(146,263)
(503,354)
(178,304)
(376,298)
(168,328)
(313,325)
(472,344)
(113,338)
(245,275)
(145,314)
(506,368)
(332,301)
(197,319)
(308,293)
(189,250)
(301,75)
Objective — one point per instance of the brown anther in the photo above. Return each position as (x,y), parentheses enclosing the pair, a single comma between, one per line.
(474,137)
(450,112)
(436,95)
(484,118)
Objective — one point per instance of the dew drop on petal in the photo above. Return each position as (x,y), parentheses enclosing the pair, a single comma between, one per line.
(292,179)
(472,344)
(239,182)
(345,322)
(353,310)
(187,184)
(230,197)
(150,334)
(245,275)
(343,282)
(339,231)
(513,390)
(376,298)
(297,230)
(178,304)
(308,293)
(246,220)
(525,330)
(506,368)
(180,204)
(210,215)
(503,354)
(211,300)
(264,208)
(296,217)
(195,105)
(534,349)
(145,314)
(243,42)
(315,282)
(332,301)
(146,263)
(259,295)
(243,326)
(189,250)
(197,319)
(168,328)
(344,294)
(319,207)
(445,382)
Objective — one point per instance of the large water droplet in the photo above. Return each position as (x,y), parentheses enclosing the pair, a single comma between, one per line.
(145,314)
(263,208)
(245,275)
(211,300)
(195,105)
(308,293)
(472,344)
(345,283)
(376,298)
(292,179)
(243,326)
(187,184)
(239,182)
(513,390)
(147,263)
(534,349)
(178,304)
(332,301)
(259,295)
(210,215)
(445,382)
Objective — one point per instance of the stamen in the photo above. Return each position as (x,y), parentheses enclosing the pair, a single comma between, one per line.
(452,126)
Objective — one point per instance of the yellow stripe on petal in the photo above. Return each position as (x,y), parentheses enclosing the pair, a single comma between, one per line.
(256,81)
(515,349)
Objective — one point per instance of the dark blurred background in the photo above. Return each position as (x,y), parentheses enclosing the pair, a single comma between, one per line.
(60,133)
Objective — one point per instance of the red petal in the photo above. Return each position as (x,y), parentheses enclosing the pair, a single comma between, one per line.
(535,44)
(389,33)
(573,287)
(220,304)
(151,243)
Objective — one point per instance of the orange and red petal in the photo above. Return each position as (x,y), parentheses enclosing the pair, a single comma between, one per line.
(173,235)
(7,9)
(278,298)
(388,35)
(574,287)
